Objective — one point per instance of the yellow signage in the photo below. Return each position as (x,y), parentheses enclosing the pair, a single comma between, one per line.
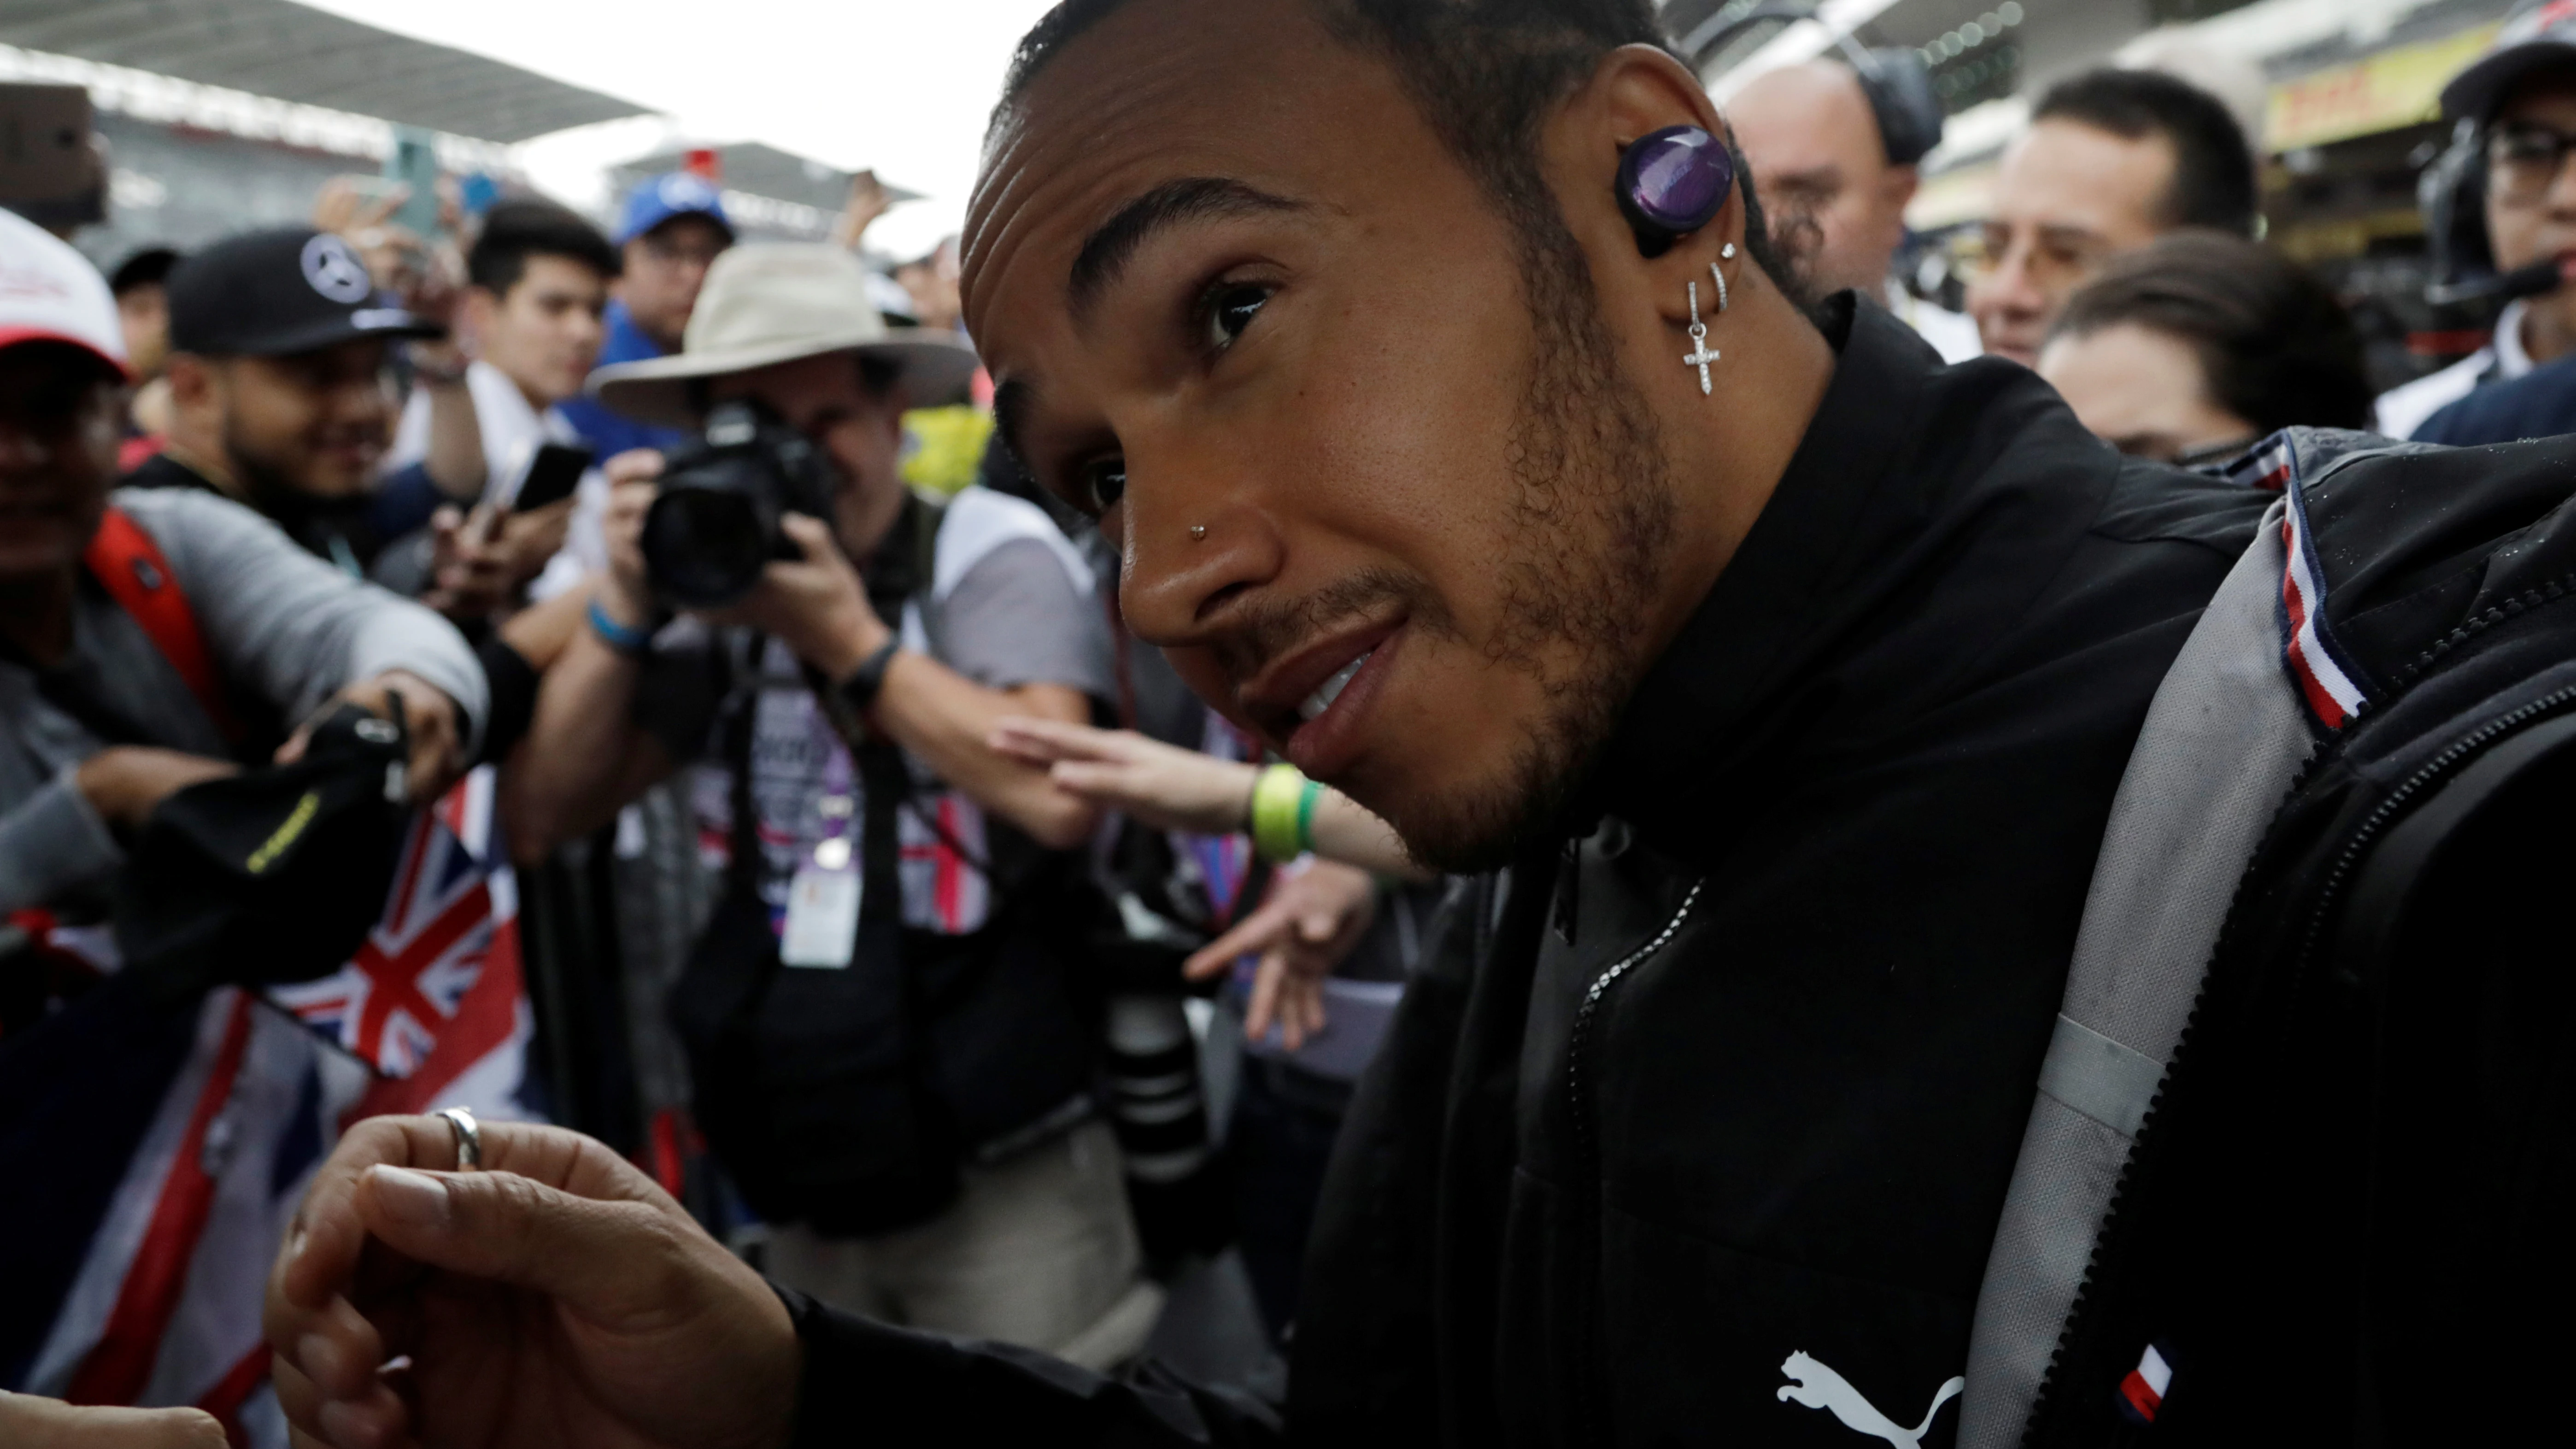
(2397,87)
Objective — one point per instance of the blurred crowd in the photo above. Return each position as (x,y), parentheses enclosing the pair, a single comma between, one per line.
(617,676)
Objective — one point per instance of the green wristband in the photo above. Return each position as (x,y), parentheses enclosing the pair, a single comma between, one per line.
(1306,816)
(1279,811)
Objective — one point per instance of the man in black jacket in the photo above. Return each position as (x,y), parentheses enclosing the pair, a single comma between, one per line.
(1795,704)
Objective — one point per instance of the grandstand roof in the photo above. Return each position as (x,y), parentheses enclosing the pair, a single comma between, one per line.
(294,52)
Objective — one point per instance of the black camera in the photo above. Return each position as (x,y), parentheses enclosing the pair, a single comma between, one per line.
(714,524)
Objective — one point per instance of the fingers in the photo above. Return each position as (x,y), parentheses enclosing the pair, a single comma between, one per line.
(322,1247)
(603,1260)
(1255,932)
(329,1385)
(1266,979)
(1042,741)
(810,535)
(28,1422)
(635,465)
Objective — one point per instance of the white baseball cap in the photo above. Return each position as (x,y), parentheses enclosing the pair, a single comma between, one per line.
(50,293)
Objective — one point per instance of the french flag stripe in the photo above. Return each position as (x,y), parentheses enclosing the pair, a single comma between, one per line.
(2143,1391)
(2308,647)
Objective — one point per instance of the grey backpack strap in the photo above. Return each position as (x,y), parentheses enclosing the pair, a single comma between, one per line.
(2223,740)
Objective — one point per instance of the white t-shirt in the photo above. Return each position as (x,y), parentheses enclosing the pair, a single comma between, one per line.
(512,430)
(2405,408)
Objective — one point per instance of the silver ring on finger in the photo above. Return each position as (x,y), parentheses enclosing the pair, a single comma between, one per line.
(469,1138)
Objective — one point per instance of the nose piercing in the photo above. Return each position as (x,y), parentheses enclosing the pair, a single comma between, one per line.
(1198,532)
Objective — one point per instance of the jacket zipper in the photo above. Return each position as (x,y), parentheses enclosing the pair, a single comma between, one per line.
(1578,1040)
(2329,896)
(2374,824)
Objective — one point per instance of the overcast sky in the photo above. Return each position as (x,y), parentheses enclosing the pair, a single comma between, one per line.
(903,86)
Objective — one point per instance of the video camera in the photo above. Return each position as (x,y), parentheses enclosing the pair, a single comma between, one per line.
(714,525)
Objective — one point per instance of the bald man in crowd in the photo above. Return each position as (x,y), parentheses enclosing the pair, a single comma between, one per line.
(1836,198)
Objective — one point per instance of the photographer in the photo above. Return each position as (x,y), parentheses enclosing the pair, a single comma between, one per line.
(891,1052)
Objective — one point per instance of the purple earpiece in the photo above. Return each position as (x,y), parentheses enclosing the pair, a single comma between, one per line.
(1671,182)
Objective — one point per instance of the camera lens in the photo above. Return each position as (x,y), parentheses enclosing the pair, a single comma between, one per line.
(705,547)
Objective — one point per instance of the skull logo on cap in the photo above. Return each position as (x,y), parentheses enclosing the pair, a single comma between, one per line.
(335,271)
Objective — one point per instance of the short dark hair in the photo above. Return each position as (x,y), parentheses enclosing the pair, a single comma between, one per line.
(525,227)
(2277,347)
(1485,74)
(149,267)
(2213,180)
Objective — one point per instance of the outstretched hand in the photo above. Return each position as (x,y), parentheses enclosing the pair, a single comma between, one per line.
(436,734)
(1165,786)
(555,1300)
(1305,927)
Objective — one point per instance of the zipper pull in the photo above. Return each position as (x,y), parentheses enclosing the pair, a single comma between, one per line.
(1569,890)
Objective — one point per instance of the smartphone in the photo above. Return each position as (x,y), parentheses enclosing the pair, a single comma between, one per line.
(51,171)
(552,476)
(413,163)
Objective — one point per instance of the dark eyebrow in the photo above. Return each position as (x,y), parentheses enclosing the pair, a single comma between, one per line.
(1011,404)
(1114,243)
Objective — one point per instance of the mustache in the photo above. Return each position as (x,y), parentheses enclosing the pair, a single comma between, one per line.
(1262,629)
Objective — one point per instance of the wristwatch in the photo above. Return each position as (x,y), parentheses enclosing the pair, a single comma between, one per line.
(861,688)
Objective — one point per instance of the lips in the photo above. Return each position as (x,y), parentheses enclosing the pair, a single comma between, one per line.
(1331,689)
(1303,682)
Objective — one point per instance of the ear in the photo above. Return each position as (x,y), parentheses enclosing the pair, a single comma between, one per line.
(1897,186)
(898,401)
(1636,89)
(193,380)
(477,308)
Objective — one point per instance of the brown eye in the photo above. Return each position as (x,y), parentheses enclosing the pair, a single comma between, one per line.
(1230,309)
(1104,483)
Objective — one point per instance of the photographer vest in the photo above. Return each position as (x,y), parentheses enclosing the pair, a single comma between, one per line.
(957,1028)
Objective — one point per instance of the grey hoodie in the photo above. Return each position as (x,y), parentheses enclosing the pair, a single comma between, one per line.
(283,628)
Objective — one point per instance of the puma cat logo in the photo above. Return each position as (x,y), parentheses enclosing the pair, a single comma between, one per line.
(1825,1389)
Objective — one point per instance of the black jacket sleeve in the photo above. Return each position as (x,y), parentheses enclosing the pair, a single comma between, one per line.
(868,1384)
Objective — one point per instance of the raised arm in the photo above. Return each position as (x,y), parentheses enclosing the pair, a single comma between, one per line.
(818,606)
(586,753)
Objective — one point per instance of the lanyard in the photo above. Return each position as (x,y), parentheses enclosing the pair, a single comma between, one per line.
(837,804)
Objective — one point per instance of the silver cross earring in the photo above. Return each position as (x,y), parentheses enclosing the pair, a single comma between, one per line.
(1701,354)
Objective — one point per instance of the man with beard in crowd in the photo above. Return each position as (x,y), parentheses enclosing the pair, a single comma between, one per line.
(280,394)
(1427,363)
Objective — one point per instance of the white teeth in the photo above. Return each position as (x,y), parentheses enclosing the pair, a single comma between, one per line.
(1330,690)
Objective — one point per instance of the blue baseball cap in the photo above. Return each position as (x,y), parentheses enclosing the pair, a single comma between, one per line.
(674,193)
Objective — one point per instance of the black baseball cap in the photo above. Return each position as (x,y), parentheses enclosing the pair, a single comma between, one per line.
(2539,35)
(279,292)
(272,875)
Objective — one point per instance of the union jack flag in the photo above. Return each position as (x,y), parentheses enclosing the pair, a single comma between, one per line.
(163,1306)
(451,912)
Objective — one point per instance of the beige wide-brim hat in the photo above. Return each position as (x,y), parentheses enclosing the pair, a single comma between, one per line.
(766,303)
